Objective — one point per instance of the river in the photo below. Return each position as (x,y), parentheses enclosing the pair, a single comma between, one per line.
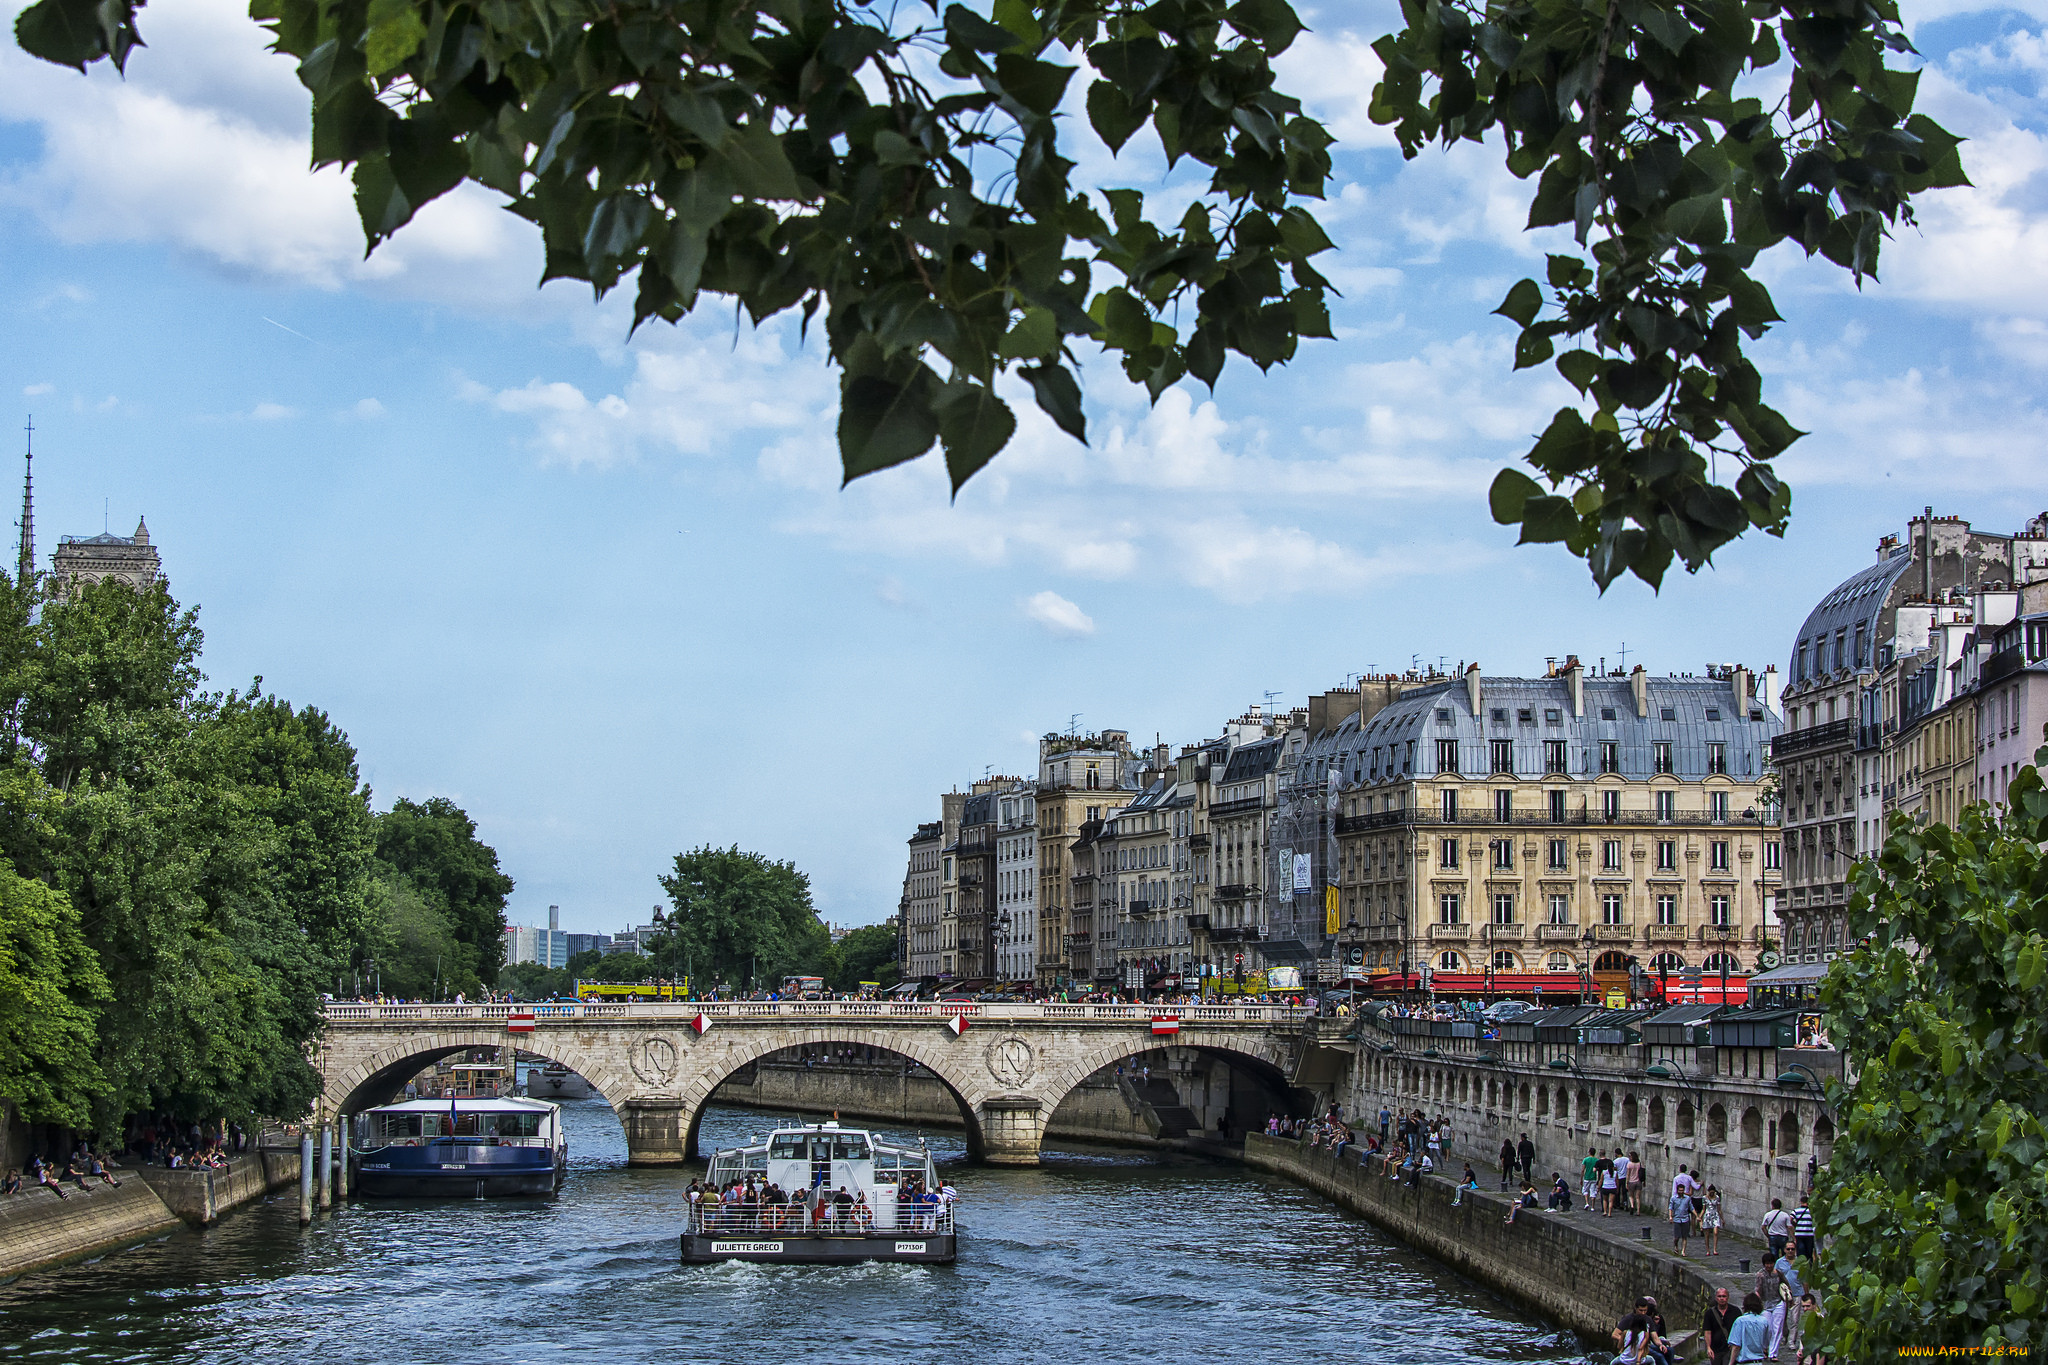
(1095,1258)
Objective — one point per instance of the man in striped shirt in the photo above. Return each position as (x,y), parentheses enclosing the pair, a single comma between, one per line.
(1802,1231)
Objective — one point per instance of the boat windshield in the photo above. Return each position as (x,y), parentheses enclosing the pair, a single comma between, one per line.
(400,1126)
(787,1147)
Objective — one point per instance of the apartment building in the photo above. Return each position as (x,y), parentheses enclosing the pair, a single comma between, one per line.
(1080,778)
(1015,926)
(918,912)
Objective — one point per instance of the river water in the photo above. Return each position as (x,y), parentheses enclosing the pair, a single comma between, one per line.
(1094,1258)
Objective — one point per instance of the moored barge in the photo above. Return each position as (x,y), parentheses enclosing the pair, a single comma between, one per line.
(457,1148)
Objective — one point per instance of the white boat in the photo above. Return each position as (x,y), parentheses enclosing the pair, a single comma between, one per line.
(556,1082)
(820,1194)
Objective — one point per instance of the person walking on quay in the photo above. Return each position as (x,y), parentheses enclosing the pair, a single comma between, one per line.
(1621,1165)
(1589,1178)
(1508,1161)
(1777,1228)
(1785,1319)
(1681,1221)
(1716,1326)
(1636,1335)
(1749,1340)
(1526,1150)
(1635,1181)
(1710,1220)
(1809,1309)
(1386,1124)
(1608,1186)
(1803,1231)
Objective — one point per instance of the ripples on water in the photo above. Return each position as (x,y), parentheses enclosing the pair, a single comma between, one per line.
(1096,1257)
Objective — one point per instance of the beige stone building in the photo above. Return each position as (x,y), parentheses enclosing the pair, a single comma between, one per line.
(919,909)
(1080,778)
(1558,824)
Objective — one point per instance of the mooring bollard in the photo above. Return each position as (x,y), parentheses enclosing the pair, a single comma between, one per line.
(305,1178)
(326,1166)
(341,1159)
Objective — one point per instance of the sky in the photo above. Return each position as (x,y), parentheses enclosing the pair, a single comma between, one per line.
(608,596)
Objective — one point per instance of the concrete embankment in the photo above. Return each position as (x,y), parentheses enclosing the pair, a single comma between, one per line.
(39,1230)
(1577,1268)
(1096,1111)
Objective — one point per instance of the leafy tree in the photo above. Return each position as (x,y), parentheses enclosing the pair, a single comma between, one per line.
(865,954)
(738,918)
(532,981)
(897,172)
(411,944)
(433,845)
(1933,1194)
(51,990)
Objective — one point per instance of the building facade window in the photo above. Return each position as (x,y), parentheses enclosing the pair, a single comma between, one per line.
(1661,756)
(1666,804)
(1717,758)
(1447,855)
(1504,854)
(1556,756)
(1450,807)
(1667,855)
(1447,755)
(1611,909)
(1560,909)
(1557,855)
(1717,806)
(1503,756)
(1610,855)
(1556,808)
(1773,855)
(1504,907)
(1718,910)
(1610,806)
(1610,756)
(1717,855)
(1450,908)
(1504,806)
(1667,909)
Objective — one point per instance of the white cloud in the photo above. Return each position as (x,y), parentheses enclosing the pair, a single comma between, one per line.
(1057,614)
(271,412)
(367,409)
(37,390)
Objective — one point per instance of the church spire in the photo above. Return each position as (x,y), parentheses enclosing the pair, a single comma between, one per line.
(25,569)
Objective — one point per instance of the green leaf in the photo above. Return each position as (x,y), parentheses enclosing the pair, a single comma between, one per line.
(1523,303)
(76,33)
(1032,83)
(1271,23)
(1059,396)
(754,158)
(1531,348)
(883,422)
(1035,334)
(395,33)
(974,424)
(1112,114)
(969,30)
(1547,519)
(1510,493)
(1580,367)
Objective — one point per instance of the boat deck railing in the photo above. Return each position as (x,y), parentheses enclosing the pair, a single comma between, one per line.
(828,1220)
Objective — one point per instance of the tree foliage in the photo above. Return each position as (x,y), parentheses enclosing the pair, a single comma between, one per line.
(1933,1195)
(431,847)
(738,919)
(896,172)
(865,954)
(51,991)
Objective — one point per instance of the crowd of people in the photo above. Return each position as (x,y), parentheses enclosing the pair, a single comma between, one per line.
(84,1167)
(758,1205)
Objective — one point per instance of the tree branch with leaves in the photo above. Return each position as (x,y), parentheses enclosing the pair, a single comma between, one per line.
(898,173)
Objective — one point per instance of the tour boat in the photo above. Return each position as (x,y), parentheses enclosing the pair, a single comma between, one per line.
(459,1147)
(850,1197)
(556,1082)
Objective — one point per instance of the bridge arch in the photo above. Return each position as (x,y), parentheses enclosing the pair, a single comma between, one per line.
(377,1078)
(1268,1059)
(696,1094)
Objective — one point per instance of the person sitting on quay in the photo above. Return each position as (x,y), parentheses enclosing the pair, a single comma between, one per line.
(1560,1193)
(11,1182)
(1468,1183)
(44,1176)
(1419,1167)
(1525,1200)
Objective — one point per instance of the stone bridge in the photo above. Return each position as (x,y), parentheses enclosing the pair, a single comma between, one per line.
(1007,1066)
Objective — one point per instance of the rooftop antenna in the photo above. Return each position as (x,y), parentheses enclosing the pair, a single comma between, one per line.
(1624,656)
(106,516)
(25,568)
(1074,724)
(1269,697)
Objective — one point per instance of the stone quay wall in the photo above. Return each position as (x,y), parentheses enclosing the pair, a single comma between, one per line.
(200,1195)
(1742,1133)
(1577,1269)
(885,1092)
(37,1229)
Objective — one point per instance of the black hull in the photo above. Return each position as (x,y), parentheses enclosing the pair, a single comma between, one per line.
(909,1248)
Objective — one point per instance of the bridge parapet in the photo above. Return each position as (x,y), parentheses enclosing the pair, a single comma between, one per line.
(1264,1016)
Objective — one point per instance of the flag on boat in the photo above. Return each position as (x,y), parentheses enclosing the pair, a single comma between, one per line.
(1165,1023)
(956,1024)
(701,1023)
(519,1021)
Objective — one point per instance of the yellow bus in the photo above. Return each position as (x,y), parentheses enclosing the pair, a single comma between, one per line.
(625,990)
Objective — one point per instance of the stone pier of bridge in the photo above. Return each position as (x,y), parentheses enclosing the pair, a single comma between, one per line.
(1007,1067)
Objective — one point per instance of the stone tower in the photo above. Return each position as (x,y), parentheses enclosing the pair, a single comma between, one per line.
(88,559)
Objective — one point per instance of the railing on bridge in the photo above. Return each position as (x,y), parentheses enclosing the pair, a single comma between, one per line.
(797,1218)
(350,1012)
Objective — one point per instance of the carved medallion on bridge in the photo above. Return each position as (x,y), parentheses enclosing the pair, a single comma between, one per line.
(1011,1061)
(654,1061)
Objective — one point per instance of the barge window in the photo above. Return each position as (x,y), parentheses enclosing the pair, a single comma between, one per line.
(399,1125)
(787,1148)
(849,1149)
(515,1125)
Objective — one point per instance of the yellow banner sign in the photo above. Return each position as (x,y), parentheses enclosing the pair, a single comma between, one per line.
(1330,910)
